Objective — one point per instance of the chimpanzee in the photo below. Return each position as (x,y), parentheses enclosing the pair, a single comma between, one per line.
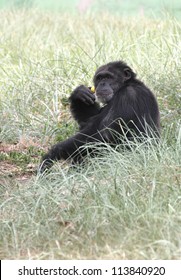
(128,109)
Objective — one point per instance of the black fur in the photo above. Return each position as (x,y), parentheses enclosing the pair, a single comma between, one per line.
(129,108)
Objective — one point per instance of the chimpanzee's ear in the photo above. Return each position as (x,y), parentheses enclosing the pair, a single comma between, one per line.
(127,74)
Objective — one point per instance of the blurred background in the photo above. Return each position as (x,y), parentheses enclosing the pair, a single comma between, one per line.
(123,7)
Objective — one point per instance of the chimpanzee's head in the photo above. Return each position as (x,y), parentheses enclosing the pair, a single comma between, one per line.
(109,78)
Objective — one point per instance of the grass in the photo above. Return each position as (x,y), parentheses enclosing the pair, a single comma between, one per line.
(122,205)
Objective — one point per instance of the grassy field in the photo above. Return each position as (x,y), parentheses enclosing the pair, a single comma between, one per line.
(122,205)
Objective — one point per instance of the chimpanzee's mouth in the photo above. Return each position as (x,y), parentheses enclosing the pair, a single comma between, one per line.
(103,96)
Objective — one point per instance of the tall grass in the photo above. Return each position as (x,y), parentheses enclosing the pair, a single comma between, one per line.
(122,204)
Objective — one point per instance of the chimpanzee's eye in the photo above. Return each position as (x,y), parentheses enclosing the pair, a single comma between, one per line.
(99,78)
(103,76)
(107,76)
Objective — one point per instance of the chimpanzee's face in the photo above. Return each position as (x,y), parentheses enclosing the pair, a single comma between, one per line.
(108,79)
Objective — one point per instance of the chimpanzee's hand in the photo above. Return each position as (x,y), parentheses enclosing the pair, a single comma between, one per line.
(54,154)
(84,95)
(45,165)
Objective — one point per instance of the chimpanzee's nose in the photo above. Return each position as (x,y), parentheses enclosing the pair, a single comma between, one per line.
(102,84)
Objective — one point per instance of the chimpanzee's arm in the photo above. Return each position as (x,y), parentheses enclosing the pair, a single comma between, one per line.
(83,105)
(72,147)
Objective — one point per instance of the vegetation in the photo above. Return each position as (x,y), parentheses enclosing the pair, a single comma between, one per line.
(121,204)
